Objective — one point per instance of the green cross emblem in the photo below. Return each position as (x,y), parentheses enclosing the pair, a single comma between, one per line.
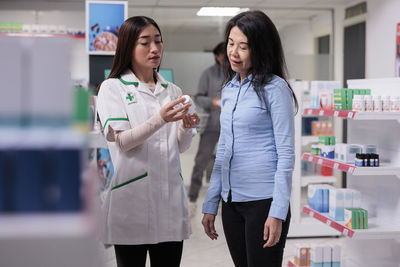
(129,97)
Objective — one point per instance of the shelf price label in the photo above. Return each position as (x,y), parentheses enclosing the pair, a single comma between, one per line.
(328,222)
(336,113)
(309,112)
(311,213)
(351,170)
(310,158)
(321,112)
(350,115)
(346,232)
(336,165)
(320,161)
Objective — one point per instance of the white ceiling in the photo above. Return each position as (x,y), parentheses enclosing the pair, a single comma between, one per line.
(180,15)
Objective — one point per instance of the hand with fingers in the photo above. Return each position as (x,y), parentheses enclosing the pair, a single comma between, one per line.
(208,224)
(190,121)
(169,113)
(272,231)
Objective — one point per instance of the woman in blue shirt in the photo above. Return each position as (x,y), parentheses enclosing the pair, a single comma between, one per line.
(255,157)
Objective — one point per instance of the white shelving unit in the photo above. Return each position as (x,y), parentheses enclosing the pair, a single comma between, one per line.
(56,226)
(383,169)
(376,230)
(379,186)
(306,180)
(306,140)
(300,225)
(38,236)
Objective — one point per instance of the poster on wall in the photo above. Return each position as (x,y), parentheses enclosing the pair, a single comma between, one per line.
(103,21)
(397,64)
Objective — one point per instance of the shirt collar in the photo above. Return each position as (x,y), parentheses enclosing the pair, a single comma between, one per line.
(236,80)
(129,78)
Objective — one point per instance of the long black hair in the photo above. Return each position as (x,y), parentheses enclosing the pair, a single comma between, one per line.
(127,37)
(266,52)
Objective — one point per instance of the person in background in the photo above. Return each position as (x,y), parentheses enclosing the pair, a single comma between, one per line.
(255,156)
(146,127)
(207,97)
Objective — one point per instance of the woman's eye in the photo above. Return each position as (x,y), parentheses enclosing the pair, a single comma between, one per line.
(144,43)
(158,42)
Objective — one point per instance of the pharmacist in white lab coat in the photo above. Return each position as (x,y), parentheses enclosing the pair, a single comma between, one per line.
(146,126)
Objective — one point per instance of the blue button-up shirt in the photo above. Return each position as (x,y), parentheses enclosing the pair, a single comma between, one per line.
(255,155)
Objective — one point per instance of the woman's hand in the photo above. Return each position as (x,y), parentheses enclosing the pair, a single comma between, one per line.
(208,224)
(190,121)
(272,231)
(169,113)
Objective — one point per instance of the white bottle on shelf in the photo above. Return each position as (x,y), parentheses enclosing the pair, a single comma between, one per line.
(358,103)
(369,103)
(377,103)
(386,105)
(395,103)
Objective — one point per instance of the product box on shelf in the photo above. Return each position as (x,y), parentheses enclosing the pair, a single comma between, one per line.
(340,99)
(327,256)
(322,94)
(356,198)
(347,152)
(336,251)
(336,203)
(327,146)
(316,256)
(318,197)
(302,255)
(356,218)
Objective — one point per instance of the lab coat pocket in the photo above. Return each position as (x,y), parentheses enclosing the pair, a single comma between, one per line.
(129,205)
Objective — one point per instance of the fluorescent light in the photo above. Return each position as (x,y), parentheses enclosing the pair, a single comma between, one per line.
(220,11)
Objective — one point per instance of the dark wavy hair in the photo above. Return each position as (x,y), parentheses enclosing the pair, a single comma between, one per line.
(127,37)
(266,52)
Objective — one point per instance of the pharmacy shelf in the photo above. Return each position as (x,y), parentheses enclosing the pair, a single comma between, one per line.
(37,34)
(343,263)
(309,227)
(355,115)
(352,169)
(375,231)
(96,140)
(306,180)
(45,225)
(309,139)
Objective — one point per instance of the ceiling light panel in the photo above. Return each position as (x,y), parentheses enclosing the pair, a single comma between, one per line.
(220,11)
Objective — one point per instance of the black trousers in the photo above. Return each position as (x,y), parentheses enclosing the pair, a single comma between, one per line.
(243,224)
(161,254)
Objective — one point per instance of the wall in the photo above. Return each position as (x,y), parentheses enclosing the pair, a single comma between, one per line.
(297,39)
(382,19)
(299,49)
(187,67)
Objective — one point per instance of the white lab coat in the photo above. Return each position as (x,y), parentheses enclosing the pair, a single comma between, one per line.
(146,203)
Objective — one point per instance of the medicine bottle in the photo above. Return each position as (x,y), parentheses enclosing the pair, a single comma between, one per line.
(358,103)
(358,161)
(377,103)
(386,105)
(369,103)
(395,103)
